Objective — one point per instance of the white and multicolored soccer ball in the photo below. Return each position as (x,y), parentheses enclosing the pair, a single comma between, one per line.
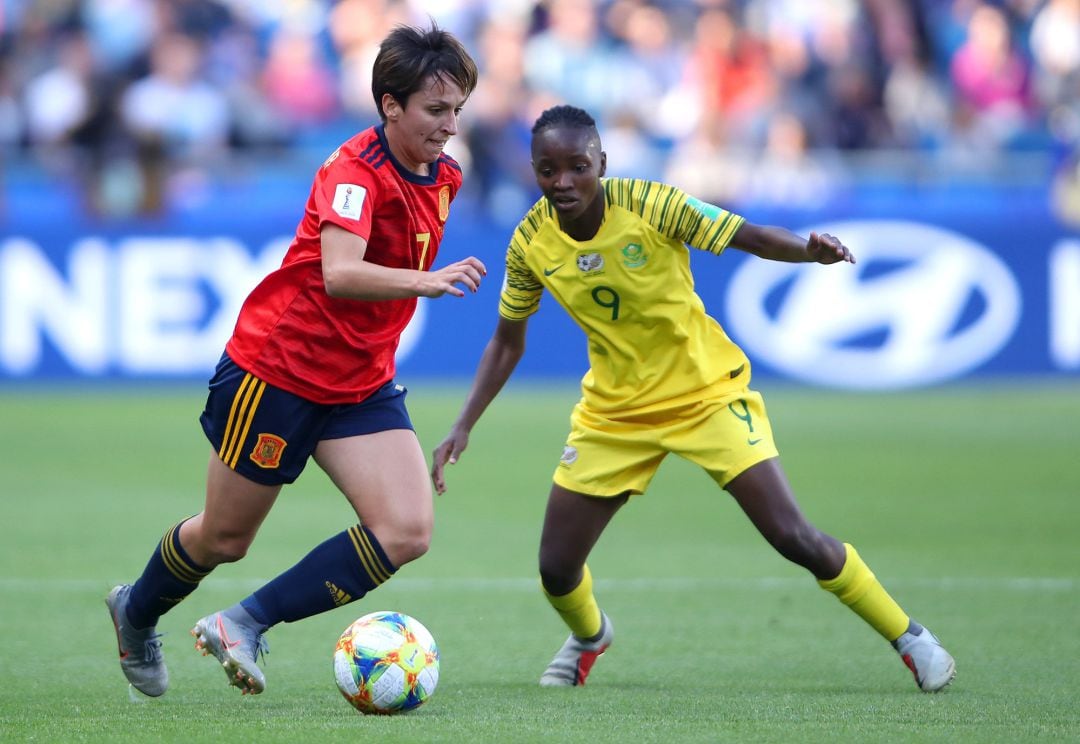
(386,662)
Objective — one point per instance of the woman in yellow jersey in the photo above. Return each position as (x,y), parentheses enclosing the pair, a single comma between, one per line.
(663,378)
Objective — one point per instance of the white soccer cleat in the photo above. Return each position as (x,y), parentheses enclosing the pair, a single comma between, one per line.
(575,659)
(140,648)
(927,659)
(236,646)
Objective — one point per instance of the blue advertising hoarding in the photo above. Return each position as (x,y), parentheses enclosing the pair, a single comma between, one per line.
(942,291)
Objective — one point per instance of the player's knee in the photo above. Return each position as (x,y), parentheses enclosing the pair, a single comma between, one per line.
(209,544)
(412,549)
(226,548)
(406,542)
(558,576)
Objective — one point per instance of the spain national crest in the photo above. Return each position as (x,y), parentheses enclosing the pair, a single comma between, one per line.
(267,451)
(444,203)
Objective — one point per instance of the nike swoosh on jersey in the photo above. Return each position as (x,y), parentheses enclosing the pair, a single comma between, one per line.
(752,442)
(549,272)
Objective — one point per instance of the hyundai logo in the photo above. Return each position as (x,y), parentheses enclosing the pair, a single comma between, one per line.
(922,305)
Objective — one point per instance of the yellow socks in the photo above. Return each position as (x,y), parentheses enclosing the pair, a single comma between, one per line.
(578,608)
(859,589)
(856,586)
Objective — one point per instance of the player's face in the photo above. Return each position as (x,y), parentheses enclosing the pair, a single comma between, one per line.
(418,131)
(568,164)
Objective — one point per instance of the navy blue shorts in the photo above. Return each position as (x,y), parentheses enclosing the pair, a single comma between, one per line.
(267,434)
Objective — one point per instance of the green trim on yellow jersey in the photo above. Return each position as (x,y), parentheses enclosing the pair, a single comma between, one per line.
(674,213)
(630,289)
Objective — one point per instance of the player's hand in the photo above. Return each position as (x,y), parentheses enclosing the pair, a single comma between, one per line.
(467,272)
(448,451)
(826,249)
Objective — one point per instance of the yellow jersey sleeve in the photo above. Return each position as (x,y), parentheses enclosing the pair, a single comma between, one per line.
(521,289)
(676,214)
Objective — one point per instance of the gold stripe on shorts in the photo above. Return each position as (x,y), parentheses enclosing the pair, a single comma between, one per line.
(244,404)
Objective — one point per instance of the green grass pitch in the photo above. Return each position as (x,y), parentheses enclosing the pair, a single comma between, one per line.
(964,500)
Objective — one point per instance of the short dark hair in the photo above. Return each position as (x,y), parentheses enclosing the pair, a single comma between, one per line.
(564,116)
(408,56)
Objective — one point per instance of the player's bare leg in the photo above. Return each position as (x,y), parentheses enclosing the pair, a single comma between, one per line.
(764,494)
(223,532)
(572,525)
(384,476)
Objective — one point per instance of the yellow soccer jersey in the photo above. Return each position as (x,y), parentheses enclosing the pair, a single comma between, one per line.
(651,344)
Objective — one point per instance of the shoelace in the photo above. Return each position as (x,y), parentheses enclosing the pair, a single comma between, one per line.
(262,648)
(152,649)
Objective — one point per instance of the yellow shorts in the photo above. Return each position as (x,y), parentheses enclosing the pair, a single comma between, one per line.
(607,456)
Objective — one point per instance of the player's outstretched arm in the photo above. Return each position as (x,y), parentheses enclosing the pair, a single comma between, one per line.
(497,363)
(347,275)
(779,244)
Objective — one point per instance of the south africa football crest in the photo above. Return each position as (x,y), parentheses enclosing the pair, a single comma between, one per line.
(633,256)
(267,451)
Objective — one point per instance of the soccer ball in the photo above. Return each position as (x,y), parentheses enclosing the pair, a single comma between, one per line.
(386,662)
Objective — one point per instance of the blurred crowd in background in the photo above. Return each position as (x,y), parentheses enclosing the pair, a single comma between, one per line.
(734,100)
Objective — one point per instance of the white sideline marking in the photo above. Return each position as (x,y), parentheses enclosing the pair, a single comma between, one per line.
(672,583)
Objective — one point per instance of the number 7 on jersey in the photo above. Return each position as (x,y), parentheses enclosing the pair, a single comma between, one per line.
(423,240)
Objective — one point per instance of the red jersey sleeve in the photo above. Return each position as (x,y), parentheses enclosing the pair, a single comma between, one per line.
(346,193)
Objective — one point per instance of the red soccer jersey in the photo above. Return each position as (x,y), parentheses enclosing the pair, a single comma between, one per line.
(293,335)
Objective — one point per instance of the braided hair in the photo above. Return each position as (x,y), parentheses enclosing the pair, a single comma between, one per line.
(567,116)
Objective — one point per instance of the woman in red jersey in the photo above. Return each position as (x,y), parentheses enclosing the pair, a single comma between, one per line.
(309,372)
